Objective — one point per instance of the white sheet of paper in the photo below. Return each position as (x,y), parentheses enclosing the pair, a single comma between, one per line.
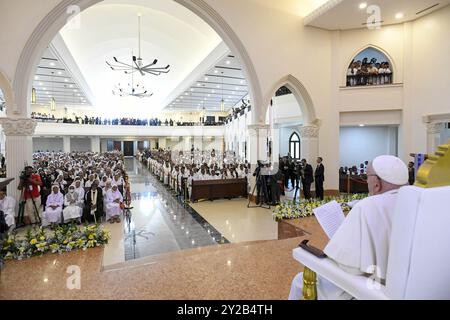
(330,217)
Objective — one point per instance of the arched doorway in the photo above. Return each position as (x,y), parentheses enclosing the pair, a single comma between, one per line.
(291,110)
(58,17)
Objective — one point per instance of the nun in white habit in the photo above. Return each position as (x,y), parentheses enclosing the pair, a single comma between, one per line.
(72,201)
(361,245)
(54,206)
(113,210)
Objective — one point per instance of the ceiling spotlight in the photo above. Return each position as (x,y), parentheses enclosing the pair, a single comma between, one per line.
(218,87)
(41,84)
(206,78)
(71,86)
(52,64)
(59,72)
(209,95)
(181,97)
(66,80)
(198,84)
(215,71)
(44,88)
(363,5)
(36,78)
(242,81)
(362,125)
(399,15)
(228,62)
(192,90)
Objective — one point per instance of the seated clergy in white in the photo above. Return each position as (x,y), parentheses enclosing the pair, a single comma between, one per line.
(54,207)
(73,205)
(8,206)
(79,189)
(361,244)
(113,210)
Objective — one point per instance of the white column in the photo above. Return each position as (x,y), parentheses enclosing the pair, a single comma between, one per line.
(18,149)
(187,143)
(309,143)
(162,143)
(275,144)
(95,144)
(434,131)
(198,143)
(257,143)
(66,144)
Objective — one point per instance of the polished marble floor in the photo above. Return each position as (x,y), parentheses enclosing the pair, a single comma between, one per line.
(159,222)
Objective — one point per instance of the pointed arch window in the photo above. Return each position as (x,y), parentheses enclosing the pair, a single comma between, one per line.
(294,146)
(370,67)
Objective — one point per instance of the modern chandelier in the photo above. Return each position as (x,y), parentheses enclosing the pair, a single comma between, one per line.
(137,63)
(131,90)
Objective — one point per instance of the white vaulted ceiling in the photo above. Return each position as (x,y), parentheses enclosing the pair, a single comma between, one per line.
(55,79)
(170,33)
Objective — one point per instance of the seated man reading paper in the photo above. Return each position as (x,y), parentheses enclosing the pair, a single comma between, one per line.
(360,245)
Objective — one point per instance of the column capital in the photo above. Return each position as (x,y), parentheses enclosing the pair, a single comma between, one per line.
(259,126)
(309,131)
(18,127)
(434,128)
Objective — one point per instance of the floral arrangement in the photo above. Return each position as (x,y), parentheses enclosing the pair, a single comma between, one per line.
(37,242)
(302,209)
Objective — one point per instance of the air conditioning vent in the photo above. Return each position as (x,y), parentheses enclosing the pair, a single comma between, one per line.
(427,9)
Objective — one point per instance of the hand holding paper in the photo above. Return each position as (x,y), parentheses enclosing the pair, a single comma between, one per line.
(330,217)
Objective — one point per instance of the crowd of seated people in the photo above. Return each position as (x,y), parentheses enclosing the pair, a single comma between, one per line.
(179,169)
(73,188)
(365,72)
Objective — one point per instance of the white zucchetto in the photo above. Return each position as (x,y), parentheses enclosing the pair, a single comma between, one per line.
(391,169)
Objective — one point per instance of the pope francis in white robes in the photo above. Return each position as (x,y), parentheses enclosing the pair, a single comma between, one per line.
(361,244)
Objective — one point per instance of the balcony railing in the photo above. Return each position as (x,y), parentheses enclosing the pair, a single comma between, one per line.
(369,80)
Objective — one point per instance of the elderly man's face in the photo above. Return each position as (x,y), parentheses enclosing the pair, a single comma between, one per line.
(373,181)
(55,190)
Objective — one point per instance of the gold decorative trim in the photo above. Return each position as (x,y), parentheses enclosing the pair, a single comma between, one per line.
(309,284)
(435,172)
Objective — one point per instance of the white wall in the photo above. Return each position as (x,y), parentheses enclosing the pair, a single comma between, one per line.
(358,144)
(80,144)
(430,92)
(445,135)
(50,144)
(285,135)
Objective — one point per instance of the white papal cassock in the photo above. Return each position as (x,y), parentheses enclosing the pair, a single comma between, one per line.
(8,206)
(112,208)
(72,203)
(360,245)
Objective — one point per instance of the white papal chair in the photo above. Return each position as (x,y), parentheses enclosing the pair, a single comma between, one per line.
(419,254)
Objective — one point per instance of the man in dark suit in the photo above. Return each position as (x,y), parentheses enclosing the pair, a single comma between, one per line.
(93,204)
(319,175)
(307,179)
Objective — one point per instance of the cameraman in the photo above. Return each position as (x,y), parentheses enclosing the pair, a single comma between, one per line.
(260,180)
(29,184)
